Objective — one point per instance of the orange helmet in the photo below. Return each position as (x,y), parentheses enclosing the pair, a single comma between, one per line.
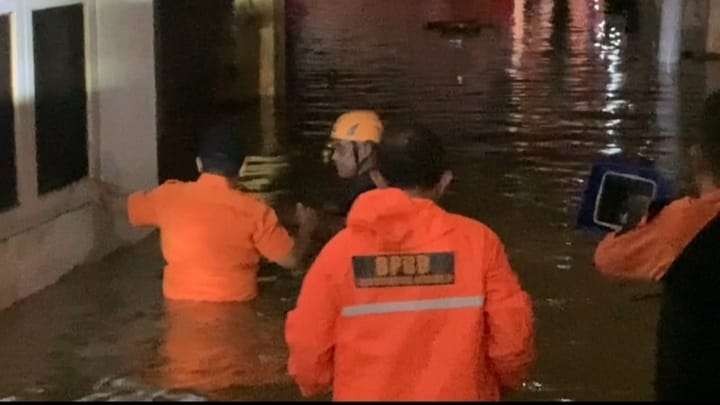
(358,126)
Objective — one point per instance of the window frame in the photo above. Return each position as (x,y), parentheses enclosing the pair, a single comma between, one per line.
(34,209)
(10,9)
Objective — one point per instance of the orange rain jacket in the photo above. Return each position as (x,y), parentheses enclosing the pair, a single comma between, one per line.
(212,237)
(410,302)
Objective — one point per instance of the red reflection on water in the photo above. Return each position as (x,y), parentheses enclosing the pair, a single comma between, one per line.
(487,12)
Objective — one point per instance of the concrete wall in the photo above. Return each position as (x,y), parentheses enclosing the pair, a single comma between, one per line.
(713,31)
(272,80)
(701,27)
(700,24)
(272,48)
(46,236)
(694,26)
(126,105)
(126,98)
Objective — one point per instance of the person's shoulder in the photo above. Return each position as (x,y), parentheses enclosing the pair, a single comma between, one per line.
(173,183)
(675,210)
(341,242)
(473,227)
(250,203)
(168,186)
(336,254)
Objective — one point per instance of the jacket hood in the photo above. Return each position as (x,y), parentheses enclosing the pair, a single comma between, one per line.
(399,221)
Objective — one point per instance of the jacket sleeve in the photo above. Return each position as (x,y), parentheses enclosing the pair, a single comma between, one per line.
(144,206)
(271,238)
(509,320)
(647,251)
(310,327)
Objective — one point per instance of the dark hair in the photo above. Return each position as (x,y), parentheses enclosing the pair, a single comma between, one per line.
(411,156)
(710,132)
(220,149)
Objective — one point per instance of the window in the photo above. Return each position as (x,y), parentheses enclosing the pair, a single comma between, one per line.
(60,94)
(8,171)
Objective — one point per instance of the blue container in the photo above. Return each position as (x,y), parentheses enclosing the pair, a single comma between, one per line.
(611,181)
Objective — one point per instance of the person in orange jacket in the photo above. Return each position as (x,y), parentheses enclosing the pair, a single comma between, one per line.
(410,302)
(679,247)
(213,236)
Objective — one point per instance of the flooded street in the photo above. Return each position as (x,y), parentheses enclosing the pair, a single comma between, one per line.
(526,106)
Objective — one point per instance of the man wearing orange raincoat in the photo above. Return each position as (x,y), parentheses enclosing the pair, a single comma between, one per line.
(410,302)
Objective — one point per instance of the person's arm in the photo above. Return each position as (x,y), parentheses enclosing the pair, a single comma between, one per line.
(642,250)
(309,329)
(108,195)
(509,318)
(273,241)
(140,207)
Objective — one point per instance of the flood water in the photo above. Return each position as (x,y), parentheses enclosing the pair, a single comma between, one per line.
(526,106)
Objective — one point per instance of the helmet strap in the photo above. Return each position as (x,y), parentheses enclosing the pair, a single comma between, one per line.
(358,162)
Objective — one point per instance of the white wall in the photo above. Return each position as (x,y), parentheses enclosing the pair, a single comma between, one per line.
(126,73)
(46,236)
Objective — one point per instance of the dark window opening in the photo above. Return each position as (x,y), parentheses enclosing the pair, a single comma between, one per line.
(60,94)
(8,171)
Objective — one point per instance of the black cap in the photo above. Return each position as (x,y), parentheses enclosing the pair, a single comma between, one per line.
(220,148)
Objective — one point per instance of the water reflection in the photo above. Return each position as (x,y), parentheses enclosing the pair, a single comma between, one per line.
(208,347)
(125,389)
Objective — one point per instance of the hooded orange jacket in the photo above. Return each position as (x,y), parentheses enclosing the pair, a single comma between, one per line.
(410,302)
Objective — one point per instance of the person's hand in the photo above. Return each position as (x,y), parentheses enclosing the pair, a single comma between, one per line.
(307,219)
(635,209)
(105,194)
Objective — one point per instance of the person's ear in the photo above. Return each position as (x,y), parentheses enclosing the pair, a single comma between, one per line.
(378,179)
(198,163)
(442,185)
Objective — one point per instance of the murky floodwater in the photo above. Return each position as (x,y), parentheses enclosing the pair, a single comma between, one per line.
(526,105)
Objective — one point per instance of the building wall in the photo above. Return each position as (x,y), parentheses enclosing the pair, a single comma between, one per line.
(700,28)
(694,26)
(46,236)
(271,16)
(126,99)
(713,36)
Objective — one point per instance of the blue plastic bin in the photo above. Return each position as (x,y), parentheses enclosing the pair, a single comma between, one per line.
(611,180)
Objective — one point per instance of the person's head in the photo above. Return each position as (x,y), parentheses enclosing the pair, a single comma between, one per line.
(705,151)
(413,158)
(354,138)
(220,151)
